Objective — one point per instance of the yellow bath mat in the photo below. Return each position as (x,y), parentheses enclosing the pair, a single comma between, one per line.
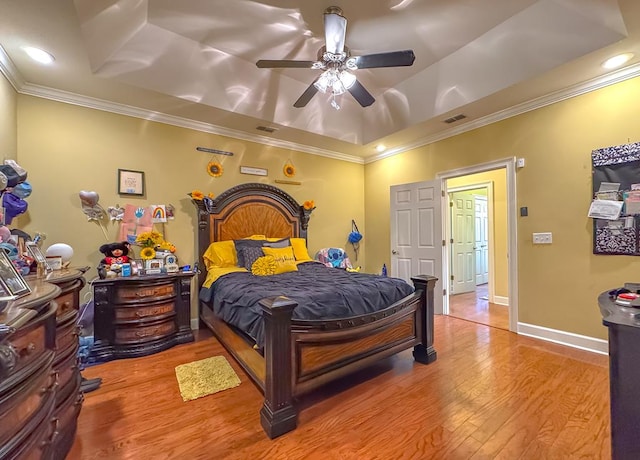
(205,377)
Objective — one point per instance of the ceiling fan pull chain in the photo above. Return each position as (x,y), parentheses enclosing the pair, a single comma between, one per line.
(334,103)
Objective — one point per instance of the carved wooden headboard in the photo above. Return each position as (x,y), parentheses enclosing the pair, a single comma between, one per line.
(245,210)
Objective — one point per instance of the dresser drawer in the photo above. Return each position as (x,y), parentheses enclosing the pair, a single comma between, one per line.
(128,294)
(66,303)
(124,335)
(29,345)
(37,445)
(136,313)
(25,402)
(68,375)
(66,337)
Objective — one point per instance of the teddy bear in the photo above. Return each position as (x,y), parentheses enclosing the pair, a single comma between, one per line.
(116,254)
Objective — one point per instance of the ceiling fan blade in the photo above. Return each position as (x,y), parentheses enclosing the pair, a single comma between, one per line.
(306,96)
(335,28)
(391,59)
(268,64)
(364,97)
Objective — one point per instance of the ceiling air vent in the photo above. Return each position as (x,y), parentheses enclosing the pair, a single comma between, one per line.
(266,129)
(455,118)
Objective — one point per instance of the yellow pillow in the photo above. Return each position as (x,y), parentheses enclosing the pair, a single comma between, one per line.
(264,266)
(221,254)
(284,258)
(300,249)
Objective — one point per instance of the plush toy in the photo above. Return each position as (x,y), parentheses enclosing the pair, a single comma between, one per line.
(116,254)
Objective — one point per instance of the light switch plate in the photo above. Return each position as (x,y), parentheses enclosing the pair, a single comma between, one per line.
(542,238)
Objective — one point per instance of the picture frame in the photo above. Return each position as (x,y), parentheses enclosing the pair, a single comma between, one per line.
(11,280)
(34,251)
(253,171)
(130,182)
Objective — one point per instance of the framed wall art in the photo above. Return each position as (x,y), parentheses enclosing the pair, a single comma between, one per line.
(130,182)
(10,280)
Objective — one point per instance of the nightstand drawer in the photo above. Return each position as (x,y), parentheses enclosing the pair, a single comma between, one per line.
(144,333)
(134,314)
(126,294)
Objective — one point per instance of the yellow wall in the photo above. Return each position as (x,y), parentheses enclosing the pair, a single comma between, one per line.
(66,148)
(558,283)
(8,122)
(498,178)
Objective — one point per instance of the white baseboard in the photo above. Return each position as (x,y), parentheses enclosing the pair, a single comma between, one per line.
(565,338)
(195,324)
(499,300)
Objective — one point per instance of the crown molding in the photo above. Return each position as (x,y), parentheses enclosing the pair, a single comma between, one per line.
(136,112)
(537,103)
(10,71)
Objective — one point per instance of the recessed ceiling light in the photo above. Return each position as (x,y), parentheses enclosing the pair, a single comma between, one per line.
(380,148)
(617,61)
(39,55)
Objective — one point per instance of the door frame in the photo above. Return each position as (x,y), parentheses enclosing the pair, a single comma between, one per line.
(448,235)
(512,229)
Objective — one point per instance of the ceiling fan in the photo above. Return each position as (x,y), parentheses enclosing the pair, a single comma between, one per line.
(335,59)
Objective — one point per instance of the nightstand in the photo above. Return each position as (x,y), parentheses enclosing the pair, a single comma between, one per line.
(140,315)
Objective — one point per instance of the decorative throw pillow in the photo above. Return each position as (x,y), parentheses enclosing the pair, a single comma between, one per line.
(264,266)
(285,260)
(300,249)
(240,244)
(283,243)
(250,255)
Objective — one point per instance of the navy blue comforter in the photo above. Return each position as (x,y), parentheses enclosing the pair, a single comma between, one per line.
(321,293)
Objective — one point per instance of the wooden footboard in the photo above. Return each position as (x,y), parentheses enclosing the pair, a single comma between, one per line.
(300,356)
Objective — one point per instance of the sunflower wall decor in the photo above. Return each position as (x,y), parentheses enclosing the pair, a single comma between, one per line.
(215,169)
(289,169)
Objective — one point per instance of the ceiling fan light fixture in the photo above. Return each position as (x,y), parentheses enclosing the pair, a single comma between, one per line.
(347,79)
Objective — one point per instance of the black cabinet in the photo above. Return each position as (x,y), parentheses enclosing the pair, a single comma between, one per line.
(140,315)
(624,376)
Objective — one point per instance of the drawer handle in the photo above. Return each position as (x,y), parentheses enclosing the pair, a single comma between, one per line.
(55,423)
(147,333)
(29,349)
(8,360)
(52,387)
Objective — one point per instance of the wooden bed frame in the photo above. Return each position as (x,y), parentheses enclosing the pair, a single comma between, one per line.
(301,355)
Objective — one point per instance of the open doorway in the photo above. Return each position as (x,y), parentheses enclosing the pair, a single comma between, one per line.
(477,247)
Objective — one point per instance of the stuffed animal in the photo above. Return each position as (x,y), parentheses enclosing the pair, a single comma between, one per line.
(116,254)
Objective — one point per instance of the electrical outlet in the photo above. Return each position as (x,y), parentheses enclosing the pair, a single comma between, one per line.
(542,238)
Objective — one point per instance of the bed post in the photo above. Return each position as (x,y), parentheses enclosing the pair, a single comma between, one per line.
(278,416)
(424,352)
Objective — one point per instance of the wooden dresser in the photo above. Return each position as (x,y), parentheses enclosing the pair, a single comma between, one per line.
(140,315)
(66,363)
(29,383)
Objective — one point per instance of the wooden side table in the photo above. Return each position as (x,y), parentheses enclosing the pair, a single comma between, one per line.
(140,315)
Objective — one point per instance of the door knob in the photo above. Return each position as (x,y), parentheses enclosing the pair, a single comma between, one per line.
(394,252)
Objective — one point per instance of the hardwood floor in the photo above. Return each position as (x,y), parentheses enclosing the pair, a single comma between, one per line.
(475,306)
(490,395)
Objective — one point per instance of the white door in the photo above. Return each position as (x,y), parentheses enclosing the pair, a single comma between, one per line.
(481,240)
(416,233)
(463,257)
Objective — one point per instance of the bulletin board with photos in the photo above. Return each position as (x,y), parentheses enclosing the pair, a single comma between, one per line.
(615,207)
